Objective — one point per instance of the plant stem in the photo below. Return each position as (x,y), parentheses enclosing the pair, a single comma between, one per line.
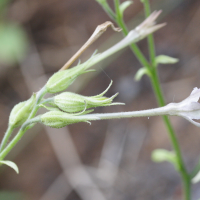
(23,129)
(160,99)
(17,137)
(39,97)
(6,137)
(150,38)
(157,89)
(133,46)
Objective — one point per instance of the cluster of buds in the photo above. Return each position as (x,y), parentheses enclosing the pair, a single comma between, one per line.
(70,108)
(73,103)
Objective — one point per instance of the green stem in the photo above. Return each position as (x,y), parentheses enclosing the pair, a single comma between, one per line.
(40,95)
(158,92)
(150,38)
(174,141)
(23,129)
(6,137)
(157,89)
(17,137)
(133,46)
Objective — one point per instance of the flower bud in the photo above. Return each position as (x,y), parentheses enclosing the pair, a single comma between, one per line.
(21,111)
(63,79)
(73,103)
(59,119)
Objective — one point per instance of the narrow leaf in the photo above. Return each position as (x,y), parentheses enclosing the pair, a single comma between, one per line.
(10,164)
(140,73)
(162,59)
(124,5)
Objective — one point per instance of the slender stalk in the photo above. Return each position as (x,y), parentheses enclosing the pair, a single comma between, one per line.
(157,89)
(23,129)
(142,113)
(158,92)
(6,137)
(97,33)
(18,137)
(40,95)
(133,46)
(150,38)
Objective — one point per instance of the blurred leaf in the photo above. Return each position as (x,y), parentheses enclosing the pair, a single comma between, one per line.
(13,43)
(9,195)
(196,179)
(124,6)
(161,155)
(10,164)
(142,71)
(162,59)
(3,4)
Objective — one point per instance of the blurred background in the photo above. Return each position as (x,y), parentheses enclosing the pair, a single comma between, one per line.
(108,159)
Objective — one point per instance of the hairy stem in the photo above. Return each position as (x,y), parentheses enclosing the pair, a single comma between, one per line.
(18,136)
(6,137)
(23,129)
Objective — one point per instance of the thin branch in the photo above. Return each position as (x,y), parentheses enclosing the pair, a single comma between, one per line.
(97,33)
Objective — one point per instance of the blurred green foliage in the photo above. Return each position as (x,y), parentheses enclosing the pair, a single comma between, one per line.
(13,39)
(8,195)
(13,43)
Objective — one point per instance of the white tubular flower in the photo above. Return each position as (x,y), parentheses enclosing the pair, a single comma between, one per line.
(188,108)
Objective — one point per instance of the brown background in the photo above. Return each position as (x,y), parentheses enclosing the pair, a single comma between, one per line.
(109,159)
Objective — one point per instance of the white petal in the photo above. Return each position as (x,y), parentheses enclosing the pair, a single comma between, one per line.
(192,121)
(194,90)
(194,96)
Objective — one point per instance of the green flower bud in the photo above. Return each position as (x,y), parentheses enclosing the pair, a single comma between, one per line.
(63,79)
(21,111)
(59,119)
(73,103)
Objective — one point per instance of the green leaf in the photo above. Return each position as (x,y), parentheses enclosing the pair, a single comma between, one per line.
(162,59)
(140,73)
(161,155)
(123,6)
(10,164)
